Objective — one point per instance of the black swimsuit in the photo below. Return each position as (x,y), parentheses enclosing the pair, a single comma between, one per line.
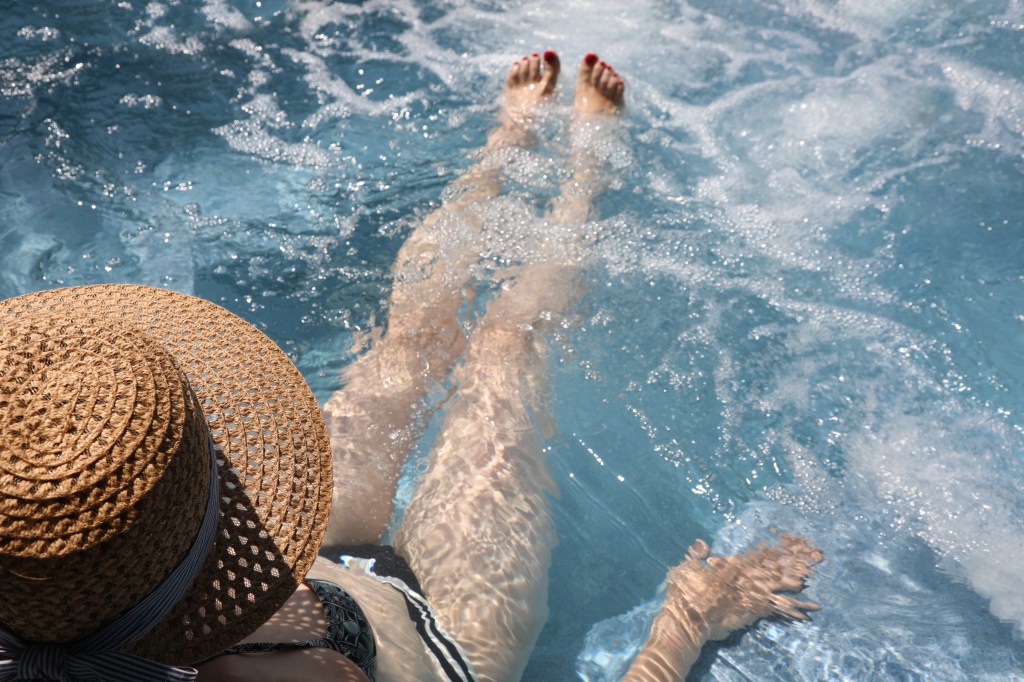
(348,631)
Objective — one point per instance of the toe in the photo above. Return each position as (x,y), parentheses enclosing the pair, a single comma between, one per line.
(552,66)
(552,61)
(512,77)
(587,66)
(620,89)
(534,72)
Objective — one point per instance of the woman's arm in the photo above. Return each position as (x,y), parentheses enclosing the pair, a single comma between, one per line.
(706,599)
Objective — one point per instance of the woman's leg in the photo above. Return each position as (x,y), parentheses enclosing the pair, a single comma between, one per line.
(376,418)
(478,532)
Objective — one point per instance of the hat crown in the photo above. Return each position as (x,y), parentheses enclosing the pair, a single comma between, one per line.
(103,443)
(110,396)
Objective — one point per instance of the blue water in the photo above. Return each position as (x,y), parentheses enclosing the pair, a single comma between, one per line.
(806,311)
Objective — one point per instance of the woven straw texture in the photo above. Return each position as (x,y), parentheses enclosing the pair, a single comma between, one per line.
(107,394)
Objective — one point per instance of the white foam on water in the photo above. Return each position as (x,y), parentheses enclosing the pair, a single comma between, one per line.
(955,490)
(165,36)
(878,12)
(789,148)
(254,135)
(221,13)
(935,463)
(867,19)
(999,98)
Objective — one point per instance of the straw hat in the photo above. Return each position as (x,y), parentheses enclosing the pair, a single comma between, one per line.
(109,398)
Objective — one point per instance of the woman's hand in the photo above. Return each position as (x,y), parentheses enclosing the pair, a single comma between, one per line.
(722,594)
(707,598)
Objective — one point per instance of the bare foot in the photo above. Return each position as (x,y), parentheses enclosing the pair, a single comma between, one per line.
(719,595)
(529,82)
(598,88)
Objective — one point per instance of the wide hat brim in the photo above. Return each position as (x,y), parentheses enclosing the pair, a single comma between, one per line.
(273,460)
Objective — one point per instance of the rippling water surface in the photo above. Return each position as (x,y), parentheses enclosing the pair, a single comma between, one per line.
(805,311)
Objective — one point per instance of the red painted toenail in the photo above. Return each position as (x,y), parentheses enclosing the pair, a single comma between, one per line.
(590,59)
(535,54)
(550,56)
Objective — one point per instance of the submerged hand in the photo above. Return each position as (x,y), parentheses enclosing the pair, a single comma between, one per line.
(718,595)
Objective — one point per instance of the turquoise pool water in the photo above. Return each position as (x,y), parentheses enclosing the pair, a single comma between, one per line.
(806,307)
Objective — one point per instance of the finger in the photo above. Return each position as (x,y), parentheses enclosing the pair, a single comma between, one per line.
(699,550)
(806,605)
(797,546)
(791,608)
(789,583)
